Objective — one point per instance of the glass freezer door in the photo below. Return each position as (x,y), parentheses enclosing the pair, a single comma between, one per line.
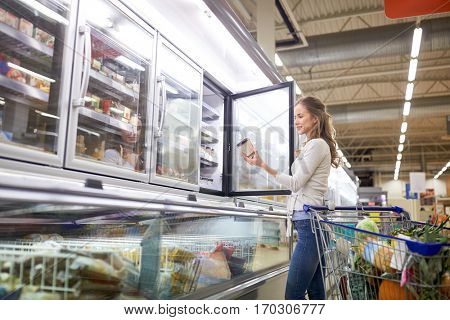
(35,49)
(177,120)
(262,120)
(112,94)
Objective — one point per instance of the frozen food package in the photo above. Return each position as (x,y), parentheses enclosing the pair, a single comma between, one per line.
(12,20)
(2,15)
(44,37)
(26,27)
(247,147)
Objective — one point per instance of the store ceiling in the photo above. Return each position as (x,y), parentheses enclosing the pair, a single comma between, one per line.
(357,63)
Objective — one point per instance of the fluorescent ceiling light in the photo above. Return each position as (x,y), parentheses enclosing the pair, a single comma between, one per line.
(448,164)
(417,38)
(406,108)
(400,147)
(402,138)
(340,154)
(344,159)
(2,102)
(29,72)
(289,78)
(127,62)
(398,163)
(45,114)
(409,91)
(33,4)
(172,89)
(404,127)
(348,165)
(278,61)
(399,156)
(412,70)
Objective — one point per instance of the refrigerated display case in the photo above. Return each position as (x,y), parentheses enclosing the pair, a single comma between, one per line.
(81,244)
(36,40)
(177,119)
(112,92)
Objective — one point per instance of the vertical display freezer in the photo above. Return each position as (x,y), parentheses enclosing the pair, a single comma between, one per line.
(112,92)
(177,119)
(36,47)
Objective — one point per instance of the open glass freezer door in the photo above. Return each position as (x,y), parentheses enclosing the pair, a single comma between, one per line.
(35,50)
(111,92)
(262,120)
(177,120)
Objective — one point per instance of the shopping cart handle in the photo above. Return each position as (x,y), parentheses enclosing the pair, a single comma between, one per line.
(396,209)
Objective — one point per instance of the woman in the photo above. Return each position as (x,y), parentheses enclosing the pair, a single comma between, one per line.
(308,184)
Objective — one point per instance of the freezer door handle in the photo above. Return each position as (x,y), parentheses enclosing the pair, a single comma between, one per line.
(162,83)
(85,31)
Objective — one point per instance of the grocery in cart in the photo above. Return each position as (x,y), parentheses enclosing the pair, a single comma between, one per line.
(378,253)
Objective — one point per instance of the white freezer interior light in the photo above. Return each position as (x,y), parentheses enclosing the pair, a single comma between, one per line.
(278,61)
(399,156)
(412,70)
(39,7)
(127,62)
(404,127)
(417,39)
(409,91)
(406,108)
(29,72)
(45,114)
(400,147)
(402,138)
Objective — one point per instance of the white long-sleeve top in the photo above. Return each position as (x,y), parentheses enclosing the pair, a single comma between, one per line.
(310,171)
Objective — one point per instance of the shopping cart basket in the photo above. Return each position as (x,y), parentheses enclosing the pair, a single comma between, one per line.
(378,253)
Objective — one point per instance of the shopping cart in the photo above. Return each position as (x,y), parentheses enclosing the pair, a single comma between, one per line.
(378,253)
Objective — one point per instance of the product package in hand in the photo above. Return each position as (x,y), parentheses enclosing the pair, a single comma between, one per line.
(247,148)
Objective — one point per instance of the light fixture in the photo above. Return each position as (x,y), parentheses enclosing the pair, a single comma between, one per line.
(348,165)
(344,159)
(400,147)
(399,156)
(398,163)
(2,102)
(417,38)
(45,114)
(396,177)
(340,154)
(404,127)
(278,61)
(412,70)
(409,91)
(29,72)
(406,108)
(172,89)
(444,168)
(402,138)
(289,78)
(39,7)
(125,61)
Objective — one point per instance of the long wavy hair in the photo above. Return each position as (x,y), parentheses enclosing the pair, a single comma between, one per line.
(324,127)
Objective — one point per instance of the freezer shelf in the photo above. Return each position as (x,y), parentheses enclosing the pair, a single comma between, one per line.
(23,88)
(19,39)
(107,119)
(207,163)
(208,138)
(209,113)
(118,87)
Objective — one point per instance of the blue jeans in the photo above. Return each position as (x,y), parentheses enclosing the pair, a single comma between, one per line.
(304,274)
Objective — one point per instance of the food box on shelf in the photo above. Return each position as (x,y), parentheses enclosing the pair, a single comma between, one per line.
(12,20)
(44,37)
(26,27)
(3,15)
(96,64)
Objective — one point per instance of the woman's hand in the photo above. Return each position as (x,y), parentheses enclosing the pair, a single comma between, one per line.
(254,160)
